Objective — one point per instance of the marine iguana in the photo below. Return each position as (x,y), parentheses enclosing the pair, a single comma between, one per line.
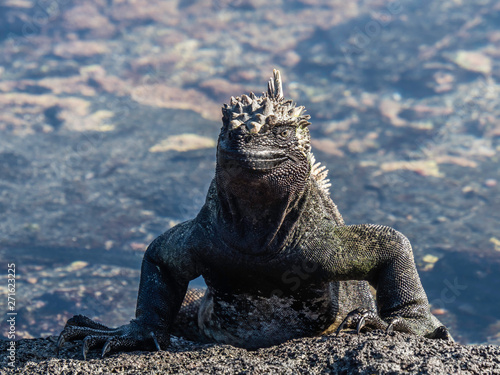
(277,258)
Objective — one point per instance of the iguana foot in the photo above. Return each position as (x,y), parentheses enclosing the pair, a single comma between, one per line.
(363,318)
(128,337)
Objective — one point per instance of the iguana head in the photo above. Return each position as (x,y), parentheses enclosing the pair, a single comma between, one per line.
(264,141)
(264,168)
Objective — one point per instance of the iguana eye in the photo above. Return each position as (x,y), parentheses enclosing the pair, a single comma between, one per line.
(285,133)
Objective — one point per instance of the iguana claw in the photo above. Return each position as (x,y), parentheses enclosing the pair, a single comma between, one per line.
(361,318)
(128,337)
(152,334)
(390,327)
(107,347)
(361,323)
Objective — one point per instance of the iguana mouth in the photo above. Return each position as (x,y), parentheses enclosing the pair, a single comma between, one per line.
(256,160)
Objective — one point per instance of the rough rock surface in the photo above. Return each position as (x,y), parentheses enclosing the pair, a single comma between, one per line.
(369,353)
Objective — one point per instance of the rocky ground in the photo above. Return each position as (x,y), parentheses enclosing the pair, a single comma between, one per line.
(371,353)
(109,113)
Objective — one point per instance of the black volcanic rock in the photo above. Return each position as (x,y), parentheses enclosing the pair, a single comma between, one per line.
(369,353)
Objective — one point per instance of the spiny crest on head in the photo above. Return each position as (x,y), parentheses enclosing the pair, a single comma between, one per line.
(275,86)
(254,112)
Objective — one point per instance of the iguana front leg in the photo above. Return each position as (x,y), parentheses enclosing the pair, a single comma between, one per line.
(384,258)
(166,270)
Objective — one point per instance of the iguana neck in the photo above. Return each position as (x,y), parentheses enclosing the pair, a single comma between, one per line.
(256,218)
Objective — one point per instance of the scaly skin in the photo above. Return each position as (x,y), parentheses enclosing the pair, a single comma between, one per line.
(278,260)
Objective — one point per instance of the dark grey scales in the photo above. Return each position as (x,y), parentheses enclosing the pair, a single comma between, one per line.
(277,258)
